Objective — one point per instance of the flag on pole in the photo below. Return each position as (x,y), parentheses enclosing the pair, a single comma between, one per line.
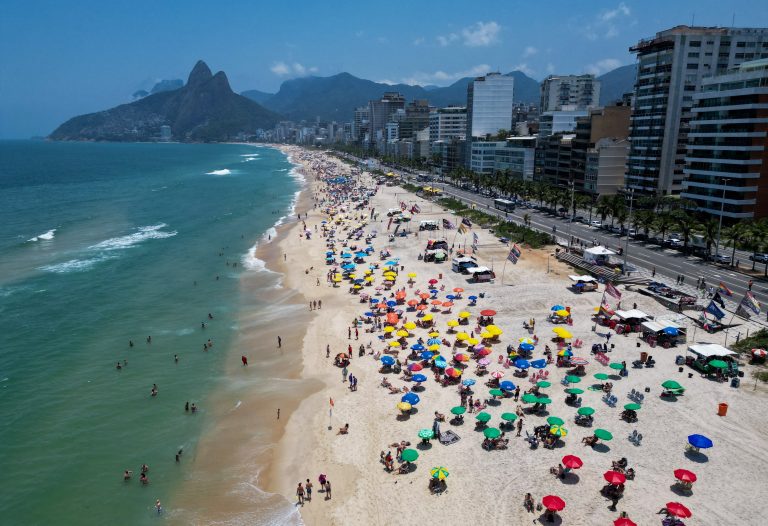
(475,238)
(742,312)
(516,250)
(714,311)
(416,209)
(463,228)
(725,290)
(448,225)
(719,300)
(751,303)
(611,290)
(466,221)
(512,257)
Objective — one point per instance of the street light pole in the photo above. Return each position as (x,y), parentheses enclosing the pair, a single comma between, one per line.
(720,223)
(626,244)
(570,213)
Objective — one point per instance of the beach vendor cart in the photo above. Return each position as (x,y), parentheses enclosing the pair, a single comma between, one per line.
(712,359)
(628,320)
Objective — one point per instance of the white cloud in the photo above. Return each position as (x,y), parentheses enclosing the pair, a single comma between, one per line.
(418,41)
(443,77)
(550,68)
(607,23)
(524,68)
(602,66)
(610,14)
(387,81)
(282,69)
(529,51)
(446,40)
(481,34)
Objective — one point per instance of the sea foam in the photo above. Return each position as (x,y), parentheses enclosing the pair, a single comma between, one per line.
(47,236)
(219,172)
(130,240)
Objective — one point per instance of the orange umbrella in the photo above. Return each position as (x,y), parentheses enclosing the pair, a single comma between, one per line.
(424,295)
(383,306)
(448,304)
(413,303)
(458,289)
(399,295)
(437,302)
(421,307)
(392,318)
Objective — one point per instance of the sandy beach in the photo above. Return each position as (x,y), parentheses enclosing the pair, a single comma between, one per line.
(484,486)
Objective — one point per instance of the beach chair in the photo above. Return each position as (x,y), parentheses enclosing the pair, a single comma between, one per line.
(632,394)
(544,374)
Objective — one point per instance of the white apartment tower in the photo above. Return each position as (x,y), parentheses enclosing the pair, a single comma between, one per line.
(580,92)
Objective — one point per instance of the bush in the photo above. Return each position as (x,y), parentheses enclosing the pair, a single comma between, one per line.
(758,340)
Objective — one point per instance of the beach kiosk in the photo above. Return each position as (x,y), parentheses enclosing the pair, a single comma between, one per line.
(598,255)
(629,320)
(709,358)
(665,333)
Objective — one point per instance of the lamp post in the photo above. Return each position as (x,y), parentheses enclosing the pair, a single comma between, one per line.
(571,213)
(629,220)
(720,223)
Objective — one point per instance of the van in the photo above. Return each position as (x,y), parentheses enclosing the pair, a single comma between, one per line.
(462,263)
(394,212)
(428,225)
(481,274)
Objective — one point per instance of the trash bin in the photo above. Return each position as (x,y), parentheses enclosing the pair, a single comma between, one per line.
(679,369)
(643,356)
(722,409)
(735,382)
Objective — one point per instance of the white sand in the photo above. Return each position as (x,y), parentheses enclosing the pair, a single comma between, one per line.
(488,487)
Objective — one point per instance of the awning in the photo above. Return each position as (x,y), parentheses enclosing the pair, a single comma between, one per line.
(633,313)
(710,349)
(475,270)
(584,279)
(599,251)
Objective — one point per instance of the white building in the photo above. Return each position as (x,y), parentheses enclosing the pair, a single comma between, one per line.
(447,123)
(604,170)
(580,91)
(560,121)
(489,105)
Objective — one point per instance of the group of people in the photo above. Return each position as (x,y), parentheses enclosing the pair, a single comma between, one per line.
(304,490)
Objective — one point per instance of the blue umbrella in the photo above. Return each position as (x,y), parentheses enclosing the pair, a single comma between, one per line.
(426,355)
(567,352)
(361,254)
(418,347)
(526,346)
(473,298)
(557,307)
(358,281)
(671,331)
(348,266)
(539,364)
(390,263)
(522,364)
(419,378)
(387,360)
(441,364)
(506,385)
(391,303)
(468,382)
(330,258)
(329,253)
(434,341)
(370,314)
(451,297)
(699,441)
(411,398)
(374,300)
(346,255)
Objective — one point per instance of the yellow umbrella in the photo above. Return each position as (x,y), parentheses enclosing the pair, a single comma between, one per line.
(369,279)
(368,272)
(337,278)
(404,406)
(351,276)
(453,323)
(562,332)
(462,336)
(357,287)
(411,274)
(464,314)
(473,341)
(427,317)
(433,334)
(493,329)
(402,333)
(394,343)
(389,328)
(562,313)
(410,325)
(434,347)
(487,335)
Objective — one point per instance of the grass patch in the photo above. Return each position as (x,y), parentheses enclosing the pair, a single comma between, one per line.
(758,340)
(760,375)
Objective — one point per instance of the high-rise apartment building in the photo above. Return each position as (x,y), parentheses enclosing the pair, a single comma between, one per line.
(415,119)
(580,91)
(671,66)
(727,160)
(446,123)
(360,123)
(599,150)
(489,105)
(380,111)
(560,121)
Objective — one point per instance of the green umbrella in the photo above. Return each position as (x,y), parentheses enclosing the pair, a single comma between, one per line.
(491,432)
(544,400)
(602,434)
(633,407)
(671,384)
(571,379)
(616,366)
(409,455)
(530,398)
(558,431)
(483,417)
(509,417)
(555,421)
(586,411)
(544,383)
(718,364)
(496,392)
(458,410)
(426,433)
(601,376)
(574,390)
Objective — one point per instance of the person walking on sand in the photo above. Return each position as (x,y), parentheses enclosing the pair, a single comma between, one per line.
(519,426)
(300,494)
(279,342)
(344,373)
(327,489)
(327,351)
(308,487)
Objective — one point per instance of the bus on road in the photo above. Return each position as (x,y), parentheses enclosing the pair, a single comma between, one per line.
(504,204)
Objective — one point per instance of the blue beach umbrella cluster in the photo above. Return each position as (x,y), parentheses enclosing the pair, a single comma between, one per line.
(522,364)
(418,378)
(387,360)
(539,364)
(506,385)
(700,441)
(526,346)
(411,398)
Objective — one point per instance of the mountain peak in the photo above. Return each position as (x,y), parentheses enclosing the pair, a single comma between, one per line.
(220,81)
(199,74)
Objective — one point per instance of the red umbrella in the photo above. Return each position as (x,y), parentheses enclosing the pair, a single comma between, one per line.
(437,302)
(684,475)
(415,367)
(572,461)
(623,521)
(487,312)
(614,478)
(554,503)
(432,281)
(678,510)
(484,352)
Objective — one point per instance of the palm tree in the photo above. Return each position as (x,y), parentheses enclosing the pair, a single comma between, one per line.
(687,224)
(616,204)
(709,231)
(603,208)
(621,217)
(527,219)
(645,219)
(663,223)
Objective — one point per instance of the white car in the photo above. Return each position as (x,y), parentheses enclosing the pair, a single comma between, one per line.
(596,223)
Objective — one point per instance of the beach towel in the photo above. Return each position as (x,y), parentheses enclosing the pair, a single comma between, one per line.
(449,437)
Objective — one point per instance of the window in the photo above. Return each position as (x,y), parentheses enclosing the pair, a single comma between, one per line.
(693,55)
(695,43)
(741,44)
(692,66)
(723,55)
(751,44)
(708,54)
(710,42)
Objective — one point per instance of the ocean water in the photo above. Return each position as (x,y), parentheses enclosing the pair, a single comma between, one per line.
(101,244)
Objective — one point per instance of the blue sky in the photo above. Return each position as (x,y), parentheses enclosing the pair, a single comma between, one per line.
(60,59)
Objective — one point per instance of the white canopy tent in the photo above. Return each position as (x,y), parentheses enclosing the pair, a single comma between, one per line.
(598,254)
(633,313)
(708,350)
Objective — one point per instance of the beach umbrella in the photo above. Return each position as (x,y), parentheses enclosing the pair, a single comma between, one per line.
(492,432)
(418,347)
(434,341)
(497,374)
(672,331)
(602,434)
(624,521)
(486,335)
(496,392)
(426,434)
(462,336)
(616,366)
(435,348)
(614,478)
(439,473)
(526,346)
(586,411)
(472,298)
(579,361)
(718,364)
(387,360)
(528,341)
(530,398)
(508,417)
(411,274)
(671,384)
(543,384)
(436,302)
(483,417)
(562,332)
(426,355)
(412,303)
(450,297)
(432,281)
(507,385)
(441,364)
(413,367)
(487,312)
(424,295)
(473,341)
(678,510)
(418,378)
(453,372)
(601,376)
(392,318)
(361,254)
(558,431)
(485,351)
(390,263)
(684,475)
(409,455)
(461,357)
(522,364)
(434,334)
(493,329)
(452,323)
(574,390)
(409,325)
(544,400)
(389,329)
(458,410)
(562,313)
(553,503)
(469,382)
(539,364)
(411,398)
(391,303)
(427,317)
(571,379)
(700,441)
(404,406)
(564,352)
(555,421)
(464,314)
(403,333)
(394,344)
(557,308)
(632,407)
(759,353)
(572,462)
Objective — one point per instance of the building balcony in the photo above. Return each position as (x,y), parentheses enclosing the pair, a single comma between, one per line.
(723,160)
(716,173)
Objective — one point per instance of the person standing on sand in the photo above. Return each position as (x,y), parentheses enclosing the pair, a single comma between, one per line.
(279,342)
(327,351)
(300,494)
(327,489)
(519,426)
(344,373)
(308,487)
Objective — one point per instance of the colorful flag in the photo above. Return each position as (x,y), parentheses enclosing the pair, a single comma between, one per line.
(611,290)
(742,312)
(448,225)
(725,290)
(463,228)
(516,250)
(416,209)
(719,300)
(751,303)
(466,221)
(714,311)
(512,257)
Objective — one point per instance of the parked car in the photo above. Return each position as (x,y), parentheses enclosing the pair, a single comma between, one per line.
(759,257)
(721,258)
(578,219)
(596,223)
(655,240)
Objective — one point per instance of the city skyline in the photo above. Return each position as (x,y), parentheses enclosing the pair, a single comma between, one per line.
(61,61)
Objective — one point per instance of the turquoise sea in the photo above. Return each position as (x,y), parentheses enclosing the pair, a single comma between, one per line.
(102,244)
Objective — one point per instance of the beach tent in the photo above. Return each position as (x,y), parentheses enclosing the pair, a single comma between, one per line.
(633,314)
(707,350)
(597,255)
